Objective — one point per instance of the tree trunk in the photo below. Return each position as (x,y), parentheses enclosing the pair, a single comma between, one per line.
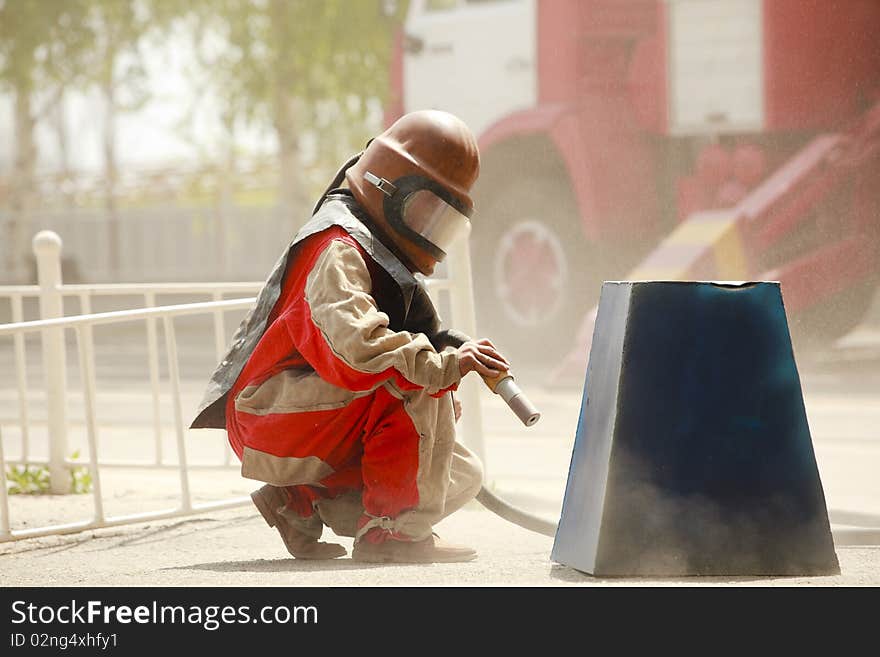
(23,192)
(225,199)
(59,123)
(292,195)
(111,175)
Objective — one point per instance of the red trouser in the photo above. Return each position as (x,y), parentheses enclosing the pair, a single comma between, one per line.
(371,444)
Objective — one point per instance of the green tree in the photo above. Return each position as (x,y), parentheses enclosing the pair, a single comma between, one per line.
(296,66)
(118,30)
(41,42)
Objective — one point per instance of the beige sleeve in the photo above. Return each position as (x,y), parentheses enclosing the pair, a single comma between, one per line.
(338,295)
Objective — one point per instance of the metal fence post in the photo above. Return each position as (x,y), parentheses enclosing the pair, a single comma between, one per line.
(47,249)
(461,297)
(5,528)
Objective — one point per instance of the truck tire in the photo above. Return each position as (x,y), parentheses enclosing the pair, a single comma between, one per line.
(535,275)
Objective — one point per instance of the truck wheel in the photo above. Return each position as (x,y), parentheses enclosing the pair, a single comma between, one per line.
(535,276)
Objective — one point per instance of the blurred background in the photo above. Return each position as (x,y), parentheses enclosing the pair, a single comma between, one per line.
(134,127)
(172,141)
(187,141)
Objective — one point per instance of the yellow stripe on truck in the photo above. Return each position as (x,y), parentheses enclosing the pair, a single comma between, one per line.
(713,233)
(730,257)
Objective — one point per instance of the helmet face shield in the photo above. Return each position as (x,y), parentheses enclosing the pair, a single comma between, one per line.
(423,212)
(434,219)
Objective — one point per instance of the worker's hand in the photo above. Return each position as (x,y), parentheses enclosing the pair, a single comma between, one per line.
(481,357)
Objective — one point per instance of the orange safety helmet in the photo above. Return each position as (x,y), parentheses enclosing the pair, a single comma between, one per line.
(414,180)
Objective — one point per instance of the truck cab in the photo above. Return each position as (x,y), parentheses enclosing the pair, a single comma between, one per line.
(605,124)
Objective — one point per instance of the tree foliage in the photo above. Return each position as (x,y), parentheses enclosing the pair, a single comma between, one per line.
(297,66)
(41,43)
(40,48)
(292,67)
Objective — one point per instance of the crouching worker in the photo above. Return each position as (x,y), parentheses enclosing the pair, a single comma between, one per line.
(337,389)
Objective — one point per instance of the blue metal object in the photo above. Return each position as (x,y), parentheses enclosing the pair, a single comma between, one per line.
(693,455)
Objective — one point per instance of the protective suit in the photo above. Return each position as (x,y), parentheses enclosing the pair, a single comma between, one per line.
(336,389)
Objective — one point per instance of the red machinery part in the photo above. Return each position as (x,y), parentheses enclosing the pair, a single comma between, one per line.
(749,163)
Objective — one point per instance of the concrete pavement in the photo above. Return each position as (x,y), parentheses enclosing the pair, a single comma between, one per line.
(528,466)
(235,548)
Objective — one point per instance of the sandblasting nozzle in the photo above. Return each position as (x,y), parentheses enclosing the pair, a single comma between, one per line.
(516,399)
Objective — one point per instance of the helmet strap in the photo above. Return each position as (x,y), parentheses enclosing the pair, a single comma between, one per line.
(384,186)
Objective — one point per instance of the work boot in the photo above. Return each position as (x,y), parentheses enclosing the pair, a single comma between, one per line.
(271,501)
(429,550)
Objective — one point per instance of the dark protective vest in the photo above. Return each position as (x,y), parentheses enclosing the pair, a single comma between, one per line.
(408,306)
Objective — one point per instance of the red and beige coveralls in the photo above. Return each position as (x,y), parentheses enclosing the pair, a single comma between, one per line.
(352,418)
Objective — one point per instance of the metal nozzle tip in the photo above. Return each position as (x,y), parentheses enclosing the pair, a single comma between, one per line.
(524,409)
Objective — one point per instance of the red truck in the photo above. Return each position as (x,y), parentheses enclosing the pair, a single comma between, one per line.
(734,139)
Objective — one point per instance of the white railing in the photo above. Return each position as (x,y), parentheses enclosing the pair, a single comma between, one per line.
(58,465)
(51,293)
(52,328)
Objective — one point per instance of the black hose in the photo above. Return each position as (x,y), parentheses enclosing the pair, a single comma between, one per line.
(337,179)
(512,514)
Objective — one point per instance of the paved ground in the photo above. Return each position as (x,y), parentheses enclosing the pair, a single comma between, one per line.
(528,466)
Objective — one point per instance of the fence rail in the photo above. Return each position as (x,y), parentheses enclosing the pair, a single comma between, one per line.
(81,325)
(52,329)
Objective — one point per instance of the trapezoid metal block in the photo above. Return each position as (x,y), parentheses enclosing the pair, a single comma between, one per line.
(693,455)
